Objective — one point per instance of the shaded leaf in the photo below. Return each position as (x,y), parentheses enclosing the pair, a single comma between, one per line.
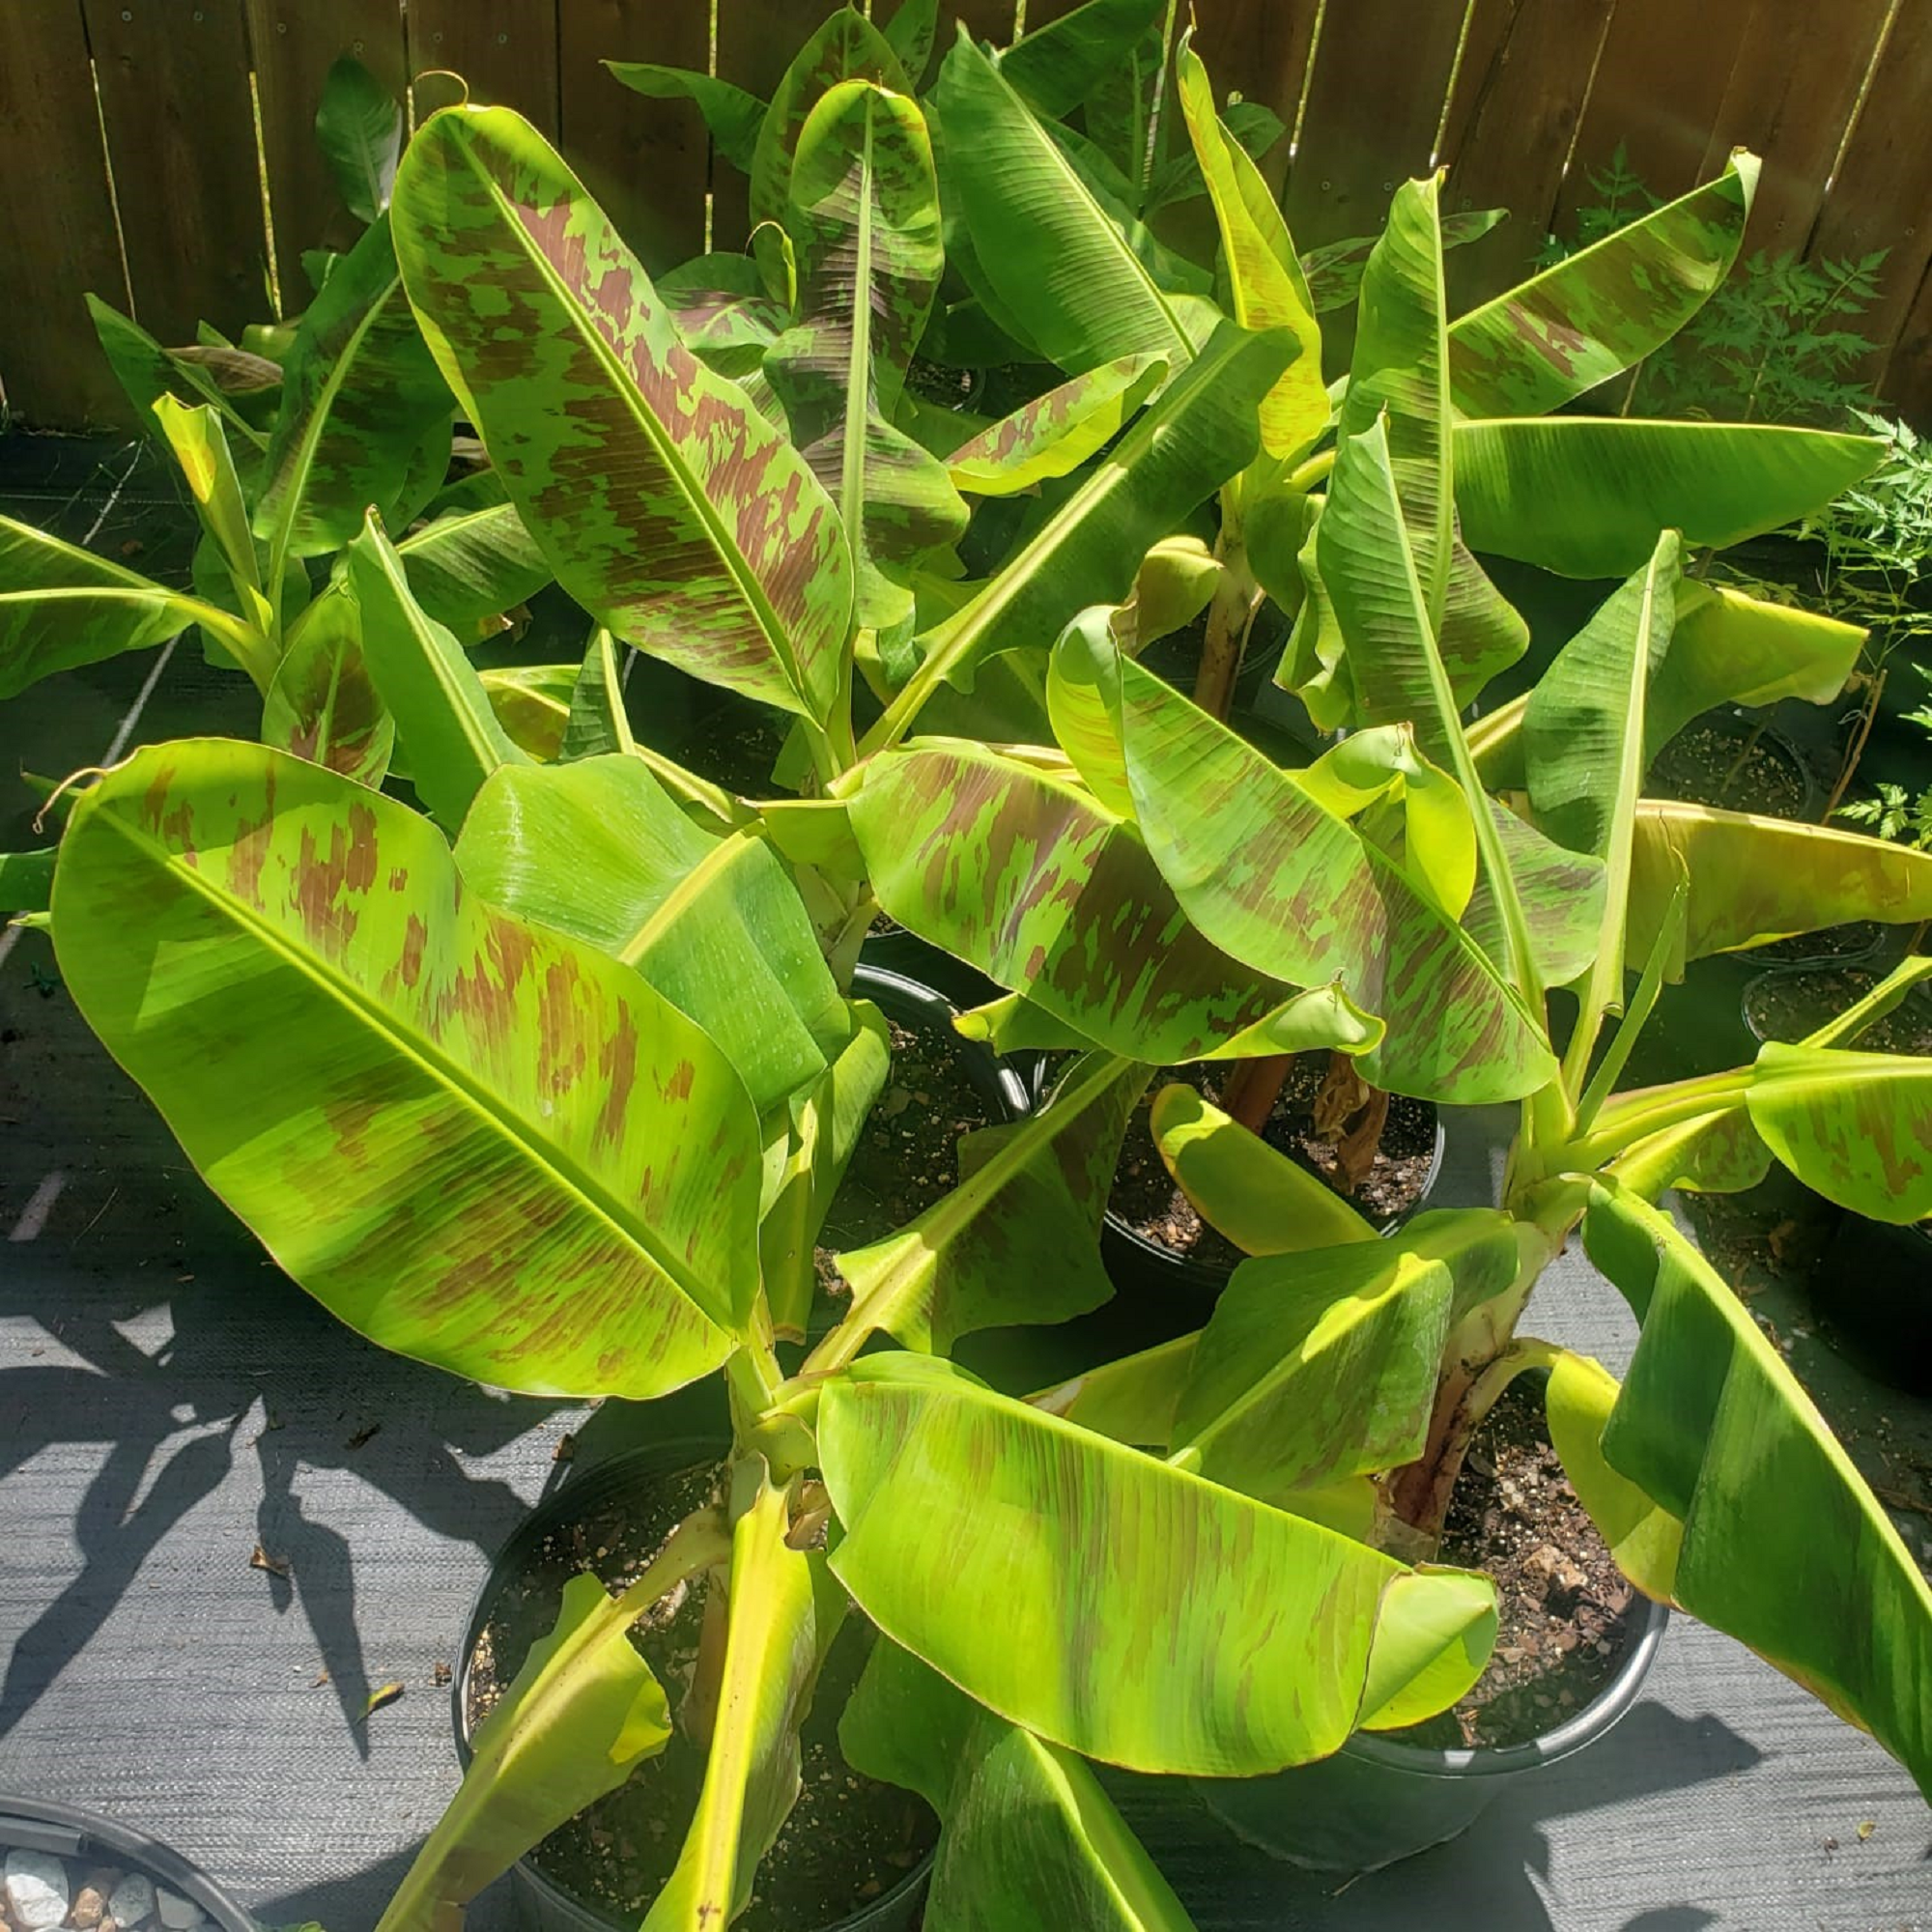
(324,705)
(360,128)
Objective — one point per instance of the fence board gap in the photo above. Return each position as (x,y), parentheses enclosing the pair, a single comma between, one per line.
(505,51)
(180,141)
(646,161)
(294,45)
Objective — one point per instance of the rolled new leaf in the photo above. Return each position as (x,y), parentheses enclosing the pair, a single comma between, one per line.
(664,501)
(1111,1604)
(1778,1541)
(479,1142)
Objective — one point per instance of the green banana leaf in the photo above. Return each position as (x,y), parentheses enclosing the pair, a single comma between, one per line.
(1561,894)
(1111,1604)
(473,559)
(1269,876)
(1026,879)
(361,130)
(597,849)
(663,501)
(477,1142)
(1583,750)
(27,880)
(828,1119)
(531,702)
(864,213)
(1755,879)
(1586,496)
(361,399)
(147,372)
(1326,1364)
(1855,1127)
(1733,1500)
(783,1614)
(1537,346)
(1178,452)
(449,733)
(208,468)
(1055,66)
(1261,1201)
(1052,254)
(1017,1239)
(597,723)
(583,1713)
(1131,1400)
(1265,275)
(1055,434)
(323,705)
(61,606)
(911,32)
(1029,1842)
(732,117)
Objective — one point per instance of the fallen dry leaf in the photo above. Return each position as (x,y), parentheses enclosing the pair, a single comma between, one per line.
(275,1565)
(383,1693)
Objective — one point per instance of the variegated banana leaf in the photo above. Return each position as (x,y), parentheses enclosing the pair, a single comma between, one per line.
(663,501)
(1054,256)
(784,1611)
(1263,272)
(1561,893)
(1755,879)
(1728,1493)
(1261,1201)
(1029,1842)
(1855,1127)
(1170,1625)
(732,117)
(61,606)
(581,1714)
(1017,1239)
(473,559)
(147,372)
(846,46)
(1537,346)
(1055,434)
(1269,875)
(1200,431)
(324,705)
(449,733)
(1131,1400)
(531,702)
(1586,496)
(597,849)
(1323,1365)
(864,212)
(362,399)
(1025,877)
(484,1144)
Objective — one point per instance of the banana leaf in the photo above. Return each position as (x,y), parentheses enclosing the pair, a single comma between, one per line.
(1855,1127)
(1114,1605)
(478,1143)
(1732,1498)
(666,504)
(1056,433)
(323,705)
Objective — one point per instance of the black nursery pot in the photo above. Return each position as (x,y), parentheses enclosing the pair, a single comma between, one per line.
(906,996)
(83,1841)
(1873,1285)
(1381,1799)
(543,1904)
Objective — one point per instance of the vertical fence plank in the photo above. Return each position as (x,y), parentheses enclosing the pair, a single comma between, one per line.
(756,40)
(989,20)
(1525,73)
(1881,194)
(1259,49)
(1907,385)
(506,51)
(294,45)
(647,161)
(1375,98)
(1790,98)
(1659,82)
(57,238)
(180,141)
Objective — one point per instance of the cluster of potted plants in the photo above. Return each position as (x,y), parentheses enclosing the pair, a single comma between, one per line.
(540,1056)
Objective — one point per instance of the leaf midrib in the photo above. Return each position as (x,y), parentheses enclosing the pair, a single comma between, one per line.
(442,1068)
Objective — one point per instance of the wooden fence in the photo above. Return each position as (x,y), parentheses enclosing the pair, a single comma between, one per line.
(151,148)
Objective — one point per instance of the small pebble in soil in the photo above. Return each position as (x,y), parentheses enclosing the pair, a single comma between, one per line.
(133,1900)
(42,1891)
(38,1890)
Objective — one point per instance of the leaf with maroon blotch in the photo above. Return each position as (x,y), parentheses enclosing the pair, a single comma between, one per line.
(480,1143)
(665,502)
(323,705)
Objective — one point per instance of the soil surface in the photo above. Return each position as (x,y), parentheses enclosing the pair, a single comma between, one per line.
(1831,942)
(848,1839)
(1716,762)
(1789,1005)
(905,1159)
(1145,1198)
(945,388)
(1566,1615)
